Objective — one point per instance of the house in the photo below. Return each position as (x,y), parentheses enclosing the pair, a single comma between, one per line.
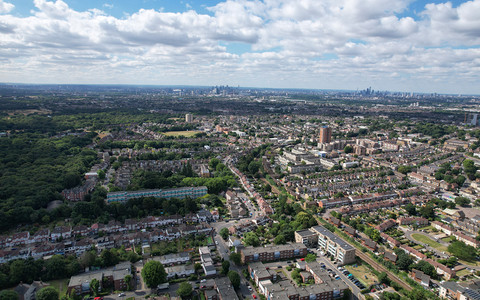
(28,291)
(173,259)
(63,232)
(421,278)
(390,256)
(234,242)
(386,225)
(179,271)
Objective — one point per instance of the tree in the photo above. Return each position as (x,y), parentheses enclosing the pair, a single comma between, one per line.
(109,258)
(426,268)
(348,149)
(310,257)
(427,211)
(94,286)
(101,174)
(225,266)
(129,281)
(391,296)
(383,278)
(236,258)
(254,167)
(153,273)
(404,169)
(224,233)
(47,293)
(462,251)
(404,261)
(87,259)
(234,278)
(411,209)
(279,240)
(8,295)
(462,201)
(213,163)
(251,239)
(185,290)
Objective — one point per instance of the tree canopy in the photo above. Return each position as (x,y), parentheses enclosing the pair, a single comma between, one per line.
(153,273)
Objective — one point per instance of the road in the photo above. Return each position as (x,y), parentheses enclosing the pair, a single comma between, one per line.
(355,290)
(224,251)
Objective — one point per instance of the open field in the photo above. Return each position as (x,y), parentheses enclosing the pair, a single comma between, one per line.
(463,273)
(469,263)
(27,112)
(61,285)
(427,228)
(448,239)
(428,241)
(362,273)
(181,133)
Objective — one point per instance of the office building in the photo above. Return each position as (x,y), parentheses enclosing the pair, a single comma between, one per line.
(189,118)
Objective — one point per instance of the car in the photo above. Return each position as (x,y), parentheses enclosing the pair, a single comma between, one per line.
(254,296)
(203,280)
(250,288)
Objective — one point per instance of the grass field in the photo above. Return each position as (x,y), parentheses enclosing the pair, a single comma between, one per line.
(429,241)
(448,239)
(469,263)
(181,133)
(61,285)
(463,273)
(362,273)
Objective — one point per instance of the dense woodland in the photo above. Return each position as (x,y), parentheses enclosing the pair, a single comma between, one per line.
(45,154)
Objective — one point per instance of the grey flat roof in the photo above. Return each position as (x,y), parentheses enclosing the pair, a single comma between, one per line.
(333,237)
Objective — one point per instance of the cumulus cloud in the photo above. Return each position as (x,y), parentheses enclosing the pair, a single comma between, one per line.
(340,43)
(6,7)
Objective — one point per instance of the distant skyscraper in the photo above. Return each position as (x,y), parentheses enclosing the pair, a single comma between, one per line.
(325,135)
(188,118)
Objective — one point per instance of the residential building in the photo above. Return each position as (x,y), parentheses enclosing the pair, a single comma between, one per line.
(333,245)
(325,135)
(273,252)
(192,192)
(306,237)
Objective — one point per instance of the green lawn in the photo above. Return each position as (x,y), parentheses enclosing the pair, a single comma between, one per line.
(463,273)
(448,239)
(429,241)
(363,273)
(61,285)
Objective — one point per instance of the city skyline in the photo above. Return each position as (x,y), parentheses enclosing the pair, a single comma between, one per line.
(418,46)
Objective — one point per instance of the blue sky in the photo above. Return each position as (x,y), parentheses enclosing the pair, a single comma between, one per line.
(402,45)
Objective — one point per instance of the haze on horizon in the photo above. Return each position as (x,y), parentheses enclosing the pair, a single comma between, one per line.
(402,45)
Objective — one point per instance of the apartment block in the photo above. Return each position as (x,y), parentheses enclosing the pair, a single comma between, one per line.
(192,192)
(306,237)
(342,252)
(273,252)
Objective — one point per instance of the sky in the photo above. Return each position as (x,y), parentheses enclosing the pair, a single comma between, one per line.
(397,45)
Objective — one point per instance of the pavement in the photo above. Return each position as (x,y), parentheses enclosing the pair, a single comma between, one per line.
(330,265)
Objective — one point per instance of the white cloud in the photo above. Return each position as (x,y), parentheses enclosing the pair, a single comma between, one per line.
(6,7)
(370,42)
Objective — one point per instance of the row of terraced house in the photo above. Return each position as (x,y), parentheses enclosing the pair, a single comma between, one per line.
(76,240)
